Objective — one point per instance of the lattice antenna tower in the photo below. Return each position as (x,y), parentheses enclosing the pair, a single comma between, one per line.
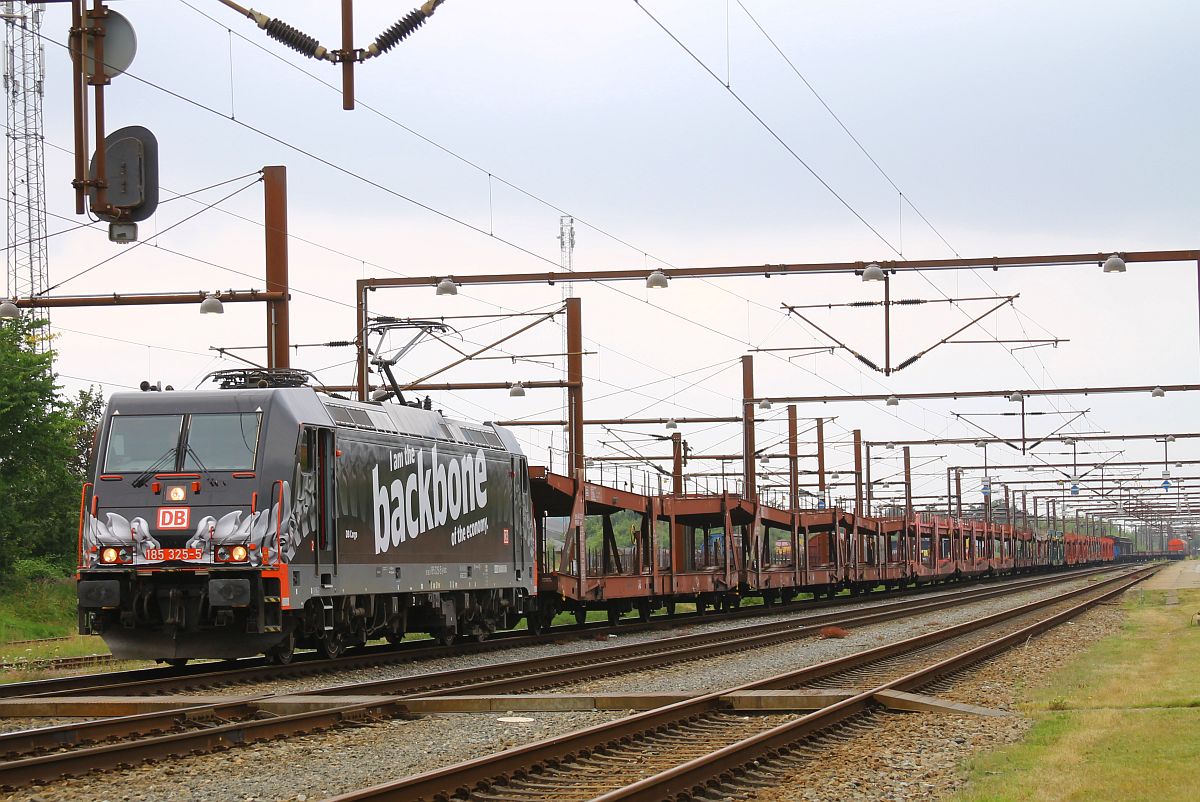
(566,249)
(566,253)
(24,79)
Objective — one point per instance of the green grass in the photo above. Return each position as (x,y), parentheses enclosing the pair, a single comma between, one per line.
(1122,722)
(73,646)
(36,608)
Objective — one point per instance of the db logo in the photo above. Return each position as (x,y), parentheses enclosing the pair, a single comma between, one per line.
(174,517)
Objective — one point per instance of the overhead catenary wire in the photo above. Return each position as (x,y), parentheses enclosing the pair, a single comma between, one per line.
(766,126)
(346,305)
(795,155)
(904,198)
(141,243)
(306,45)
(487,172)
(437,145)
(543,258)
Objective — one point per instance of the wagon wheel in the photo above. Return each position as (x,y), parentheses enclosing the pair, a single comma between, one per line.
(643,610)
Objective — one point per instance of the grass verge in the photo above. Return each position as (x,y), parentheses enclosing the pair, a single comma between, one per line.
(1122,722)
(36,608)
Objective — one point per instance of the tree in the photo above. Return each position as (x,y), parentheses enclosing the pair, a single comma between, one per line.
(39,478)
(85,411)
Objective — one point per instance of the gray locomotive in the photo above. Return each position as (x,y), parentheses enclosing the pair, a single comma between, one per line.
(255,519)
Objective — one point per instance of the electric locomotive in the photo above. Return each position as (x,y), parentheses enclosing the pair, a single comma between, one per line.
(266,515)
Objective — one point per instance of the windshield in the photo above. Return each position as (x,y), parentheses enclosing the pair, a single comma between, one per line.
(222,442)
(137,442)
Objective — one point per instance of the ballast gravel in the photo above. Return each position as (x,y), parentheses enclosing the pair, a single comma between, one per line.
(315,766)
(572,643)
(18,724)
(710,674)
(309,768)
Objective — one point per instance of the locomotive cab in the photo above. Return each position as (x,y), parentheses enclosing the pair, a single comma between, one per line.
(181,548)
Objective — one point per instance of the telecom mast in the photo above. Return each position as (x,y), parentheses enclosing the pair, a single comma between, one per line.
(566,243)
(24,76)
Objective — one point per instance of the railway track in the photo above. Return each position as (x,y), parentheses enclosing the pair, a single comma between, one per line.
(57,663)
(46,753)
(255,670)
(697,748)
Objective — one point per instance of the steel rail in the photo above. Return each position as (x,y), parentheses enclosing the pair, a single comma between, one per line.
(543,672)
(56,663)
(207,675)
(82,761)
(489,771)
(25,742)
(512,676)
(698,775)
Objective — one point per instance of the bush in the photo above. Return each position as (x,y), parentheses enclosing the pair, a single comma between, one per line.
(38,569)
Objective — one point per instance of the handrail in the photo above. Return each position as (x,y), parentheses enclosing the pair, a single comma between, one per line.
(278,521)
(82,510)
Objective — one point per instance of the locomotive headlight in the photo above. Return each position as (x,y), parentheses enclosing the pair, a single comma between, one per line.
(109,555)
(223,553)
(124,555)
(238,554)
(176,493)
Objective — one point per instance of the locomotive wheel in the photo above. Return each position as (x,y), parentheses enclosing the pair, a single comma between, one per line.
(282,653)
(176,662)
(331,645)
(614,616)
(581,615)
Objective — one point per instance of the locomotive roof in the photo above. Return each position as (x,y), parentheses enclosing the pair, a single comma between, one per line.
(309,406)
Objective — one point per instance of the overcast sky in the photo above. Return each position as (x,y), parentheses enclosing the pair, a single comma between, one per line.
(1014,127)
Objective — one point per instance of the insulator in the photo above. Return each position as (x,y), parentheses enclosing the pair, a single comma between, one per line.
(863,303)
(910,301)
(339,343)
(400,30)
(909,361)
(867,362)
(297,40)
